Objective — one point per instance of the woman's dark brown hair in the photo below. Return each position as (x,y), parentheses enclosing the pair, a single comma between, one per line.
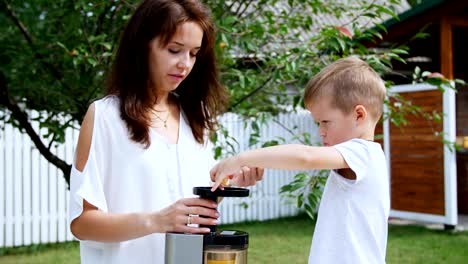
(200,95)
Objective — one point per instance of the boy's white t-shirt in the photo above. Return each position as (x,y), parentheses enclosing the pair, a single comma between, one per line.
(121,176)
(352,220)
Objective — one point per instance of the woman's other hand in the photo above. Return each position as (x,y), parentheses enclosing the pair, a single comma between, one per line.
(185,214)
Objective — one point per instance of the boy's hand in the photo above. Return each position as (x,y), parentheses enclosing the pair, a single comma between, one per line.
(239,175)
(225,168)
(248,177)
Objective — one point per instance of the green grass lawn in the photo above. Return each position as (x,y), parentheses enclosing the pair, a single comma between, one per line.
(288,241)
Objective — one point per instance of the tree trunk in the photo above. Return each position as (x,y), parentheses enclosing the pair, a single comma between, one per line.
(24,124)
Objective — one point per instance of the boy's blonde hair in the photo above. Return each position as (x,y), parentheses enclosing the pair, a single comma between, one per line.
(348,82)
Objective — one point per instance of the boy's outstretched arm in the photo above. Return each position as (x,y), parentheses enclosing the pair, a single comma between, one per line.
(290,157)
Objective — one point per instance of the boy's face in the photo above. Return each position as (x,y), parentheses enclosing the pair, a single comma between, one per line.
(334,126)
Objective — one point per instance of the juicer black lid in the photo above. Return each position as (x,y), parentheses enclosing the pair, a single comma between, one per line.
(226,238)
(205,192)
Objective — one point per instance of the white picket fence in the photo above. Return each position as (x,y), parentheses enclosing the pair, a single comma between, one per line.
(34,195)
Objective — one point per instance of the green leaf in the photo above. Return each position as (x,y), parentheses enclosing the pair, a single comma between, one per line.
(92,61)
(62,46)
(417,70)
(244,205)
(400,51)
(270,143)
(386,10)
(425,74)
(106,45)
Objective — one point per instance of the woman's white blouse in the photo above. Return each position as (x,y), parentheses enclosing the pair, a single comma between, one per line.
(120,176)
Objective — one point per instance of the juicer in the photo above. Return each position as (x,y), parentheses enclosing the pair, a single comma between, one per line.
(215,247)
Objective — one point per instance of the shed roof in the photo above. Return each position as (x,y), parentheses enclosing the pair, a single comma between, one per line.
(411,12)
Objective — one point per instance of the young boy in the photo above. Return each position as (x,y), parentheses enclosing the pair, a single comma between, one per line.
(346,99)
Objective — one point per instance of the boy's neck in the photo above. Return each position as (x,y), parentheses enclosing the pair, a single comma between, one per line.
(368,132)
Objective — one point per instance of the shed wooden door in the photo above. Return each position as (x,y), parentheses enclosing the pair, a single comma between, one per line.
(422,168)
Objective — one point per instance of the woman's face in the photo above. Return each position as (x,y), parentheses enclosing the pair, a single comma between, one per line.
(169,65)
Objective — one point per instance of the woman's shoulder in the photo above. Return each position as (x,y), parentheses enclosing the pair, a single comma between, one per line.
(107,108)
(107,103)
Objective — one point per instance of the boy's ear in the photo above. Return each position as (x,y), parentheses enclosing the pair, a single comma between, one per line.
(360,112)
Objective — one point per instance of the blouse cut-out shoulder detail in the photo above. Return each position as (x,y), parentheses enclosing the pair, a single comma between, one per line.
(85,138)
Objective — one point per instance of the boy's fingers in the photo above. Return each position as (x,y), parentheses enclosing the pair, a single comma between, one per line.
(213,173)
(216,184)
(212,176)
(214,187)
(260,172)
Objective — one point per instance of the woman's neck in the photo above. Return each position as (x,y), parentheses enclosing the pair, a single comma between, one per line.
(164,102)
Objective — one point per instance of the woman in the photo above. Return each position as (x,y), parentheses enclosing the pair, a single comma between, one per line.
(142,148)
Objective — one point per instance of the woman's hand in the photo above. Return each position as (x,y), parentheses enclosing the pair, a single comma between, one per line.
(185,213)
(96,225)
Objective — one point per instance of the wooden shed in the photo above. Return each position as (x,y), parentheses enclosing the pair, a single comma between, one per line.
(429,182)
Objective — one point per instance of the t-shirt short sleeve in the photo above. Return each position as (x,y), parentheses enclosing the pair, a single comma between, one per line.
(88,184)
(356,154)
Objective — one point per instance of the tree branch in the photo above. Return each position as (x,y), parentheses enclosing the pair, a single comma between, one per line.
(290,131)
(256,90)
(23,120)
(242,11)
(355,18)
(102,17)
